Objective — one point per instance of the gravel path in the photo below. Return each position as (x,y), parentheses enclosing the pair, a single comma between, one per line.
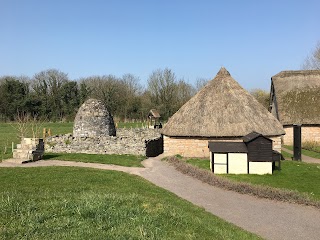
(269,219)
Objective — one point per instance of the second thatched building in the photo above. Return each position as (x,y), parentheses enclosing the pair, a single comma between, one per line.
(221,111)
(295,99)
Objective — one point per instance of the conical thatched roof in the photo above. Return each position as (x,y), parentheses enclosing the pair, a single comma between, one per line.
(222,109)
(297,96)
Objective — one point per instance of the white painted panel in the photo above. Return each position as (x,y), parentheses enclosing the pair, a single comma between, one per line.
(260,168)
(220,168)
(220,163)
(220,158)
(238,163)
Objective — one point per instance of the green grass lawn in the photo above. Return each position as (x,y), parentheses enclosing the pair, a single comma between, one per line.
(286,155)
(77,203)
(131,124)
(122,160)
(9,134)
(299,176)
(199,162)
(305,152)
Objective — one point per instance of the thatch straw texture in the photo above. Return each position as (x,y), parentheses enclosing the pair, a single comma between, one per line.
(222,109)
(296,95)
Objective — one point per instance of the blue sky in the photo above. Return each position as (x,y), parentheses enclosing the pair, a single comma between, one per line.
(254,40)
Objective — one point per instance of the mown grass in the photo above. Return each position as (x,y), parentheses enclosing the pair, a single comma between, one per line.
(202,163)
(286,155)
(305,152)
(122,160)
(77,203)
(131,124)
(296,176)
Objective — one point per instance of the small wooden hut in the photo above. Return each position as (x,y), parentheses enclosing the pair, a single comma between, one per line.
(252,156)
(259,147)
(220,111)
(295,99)
(228,157)
(154,119)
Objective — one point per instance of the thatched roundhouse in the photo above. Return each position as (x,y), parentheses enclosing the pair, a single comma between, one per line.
(295,99)
(222,110)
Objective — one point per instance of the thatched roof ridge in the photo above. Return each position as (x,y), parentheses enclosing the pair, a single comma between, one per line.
(287,73)
(222,109)
(298,96)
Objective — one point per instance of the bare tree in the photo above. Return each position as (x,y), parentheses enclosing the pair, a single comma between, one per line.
(200,83)
(162,86)
(108,89)
(312,62)
(185,91)
(47,85)
(131,100)
(261,96)
(21,123)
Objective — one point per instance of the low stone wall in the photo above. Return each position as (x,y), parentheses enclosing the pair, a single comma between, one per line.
(136,141)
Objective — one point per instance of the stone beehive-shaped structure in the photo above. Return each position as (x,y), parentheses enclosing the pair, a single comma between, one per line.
(93,120)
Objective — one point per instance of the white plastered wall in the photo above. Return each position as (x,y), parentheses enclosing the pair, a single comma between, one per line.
(260,168)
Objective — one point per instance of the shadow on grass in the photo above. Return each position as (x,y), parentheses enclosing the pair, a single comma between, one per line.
(50,156)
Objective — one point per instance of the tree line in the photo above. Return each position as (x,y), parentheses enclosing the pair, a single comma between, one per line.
(52,96)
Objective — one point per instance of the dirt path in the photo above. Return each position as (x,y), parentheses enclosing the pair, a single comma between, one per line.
(304,157)
(269,219)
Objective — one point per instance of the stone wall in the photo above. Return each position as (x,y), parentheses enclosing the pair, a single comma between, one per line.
(308,133)
(198,147)
(136,141)
(189,147)
(276,143)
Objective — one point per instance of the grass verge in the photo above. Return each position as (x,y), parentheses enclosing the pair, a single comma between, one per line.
(77,203)
(312,146)
(286,155)
(305,152)
(245,184)
(121,160)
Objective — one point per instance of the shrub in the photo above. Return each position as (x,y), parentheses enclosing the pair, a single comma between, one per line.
(241,187)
